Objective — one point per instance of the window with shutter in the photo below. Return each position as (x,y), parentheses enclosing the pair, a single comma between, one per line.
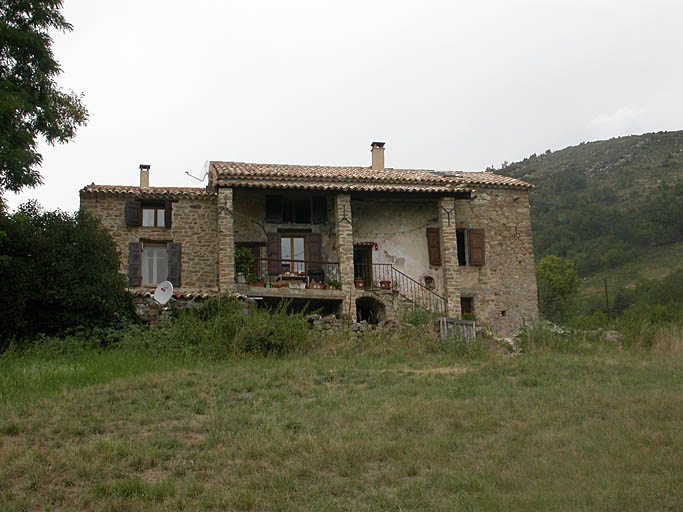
(132,213)
(273,253)
(434,246)
(477,247)
(315,254)
(174,263)
(168,217)
(134,264)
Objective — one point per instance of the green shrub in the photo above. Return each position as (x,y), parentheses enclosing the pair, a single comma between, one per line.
(59,272)
(225,326)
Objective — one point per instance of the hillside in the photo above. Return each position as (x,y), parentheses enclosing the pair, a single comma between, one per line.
(610,206)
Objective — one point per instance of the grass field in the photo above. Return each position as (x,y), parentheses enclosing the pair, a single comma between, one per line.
(119,430)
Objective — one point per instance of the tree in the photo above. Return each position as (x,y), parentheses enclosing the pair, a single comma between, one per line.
(31,103)
(58,271)
(558,283)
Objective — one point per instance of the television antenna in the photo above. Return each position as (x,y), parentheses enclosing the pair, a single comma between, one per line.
(163,293)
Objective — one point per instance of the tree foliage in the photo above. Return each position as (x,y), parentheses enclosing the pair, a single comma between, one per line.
(31,103)
(58,272)
(558,283)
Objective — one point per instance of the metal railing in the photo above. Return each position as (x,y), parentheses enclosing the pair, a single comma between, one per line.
(278,272)
(386,276)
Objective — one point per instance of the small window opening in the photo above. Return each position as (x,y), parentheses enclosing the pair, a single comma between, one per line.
(503,313)
(466,306)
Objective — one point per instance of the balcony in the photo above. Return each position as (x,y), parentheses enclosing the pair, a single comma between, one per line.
(289,278)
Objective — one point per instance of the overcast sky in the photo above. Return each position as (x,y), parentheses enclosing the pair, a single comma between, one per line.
(452,85)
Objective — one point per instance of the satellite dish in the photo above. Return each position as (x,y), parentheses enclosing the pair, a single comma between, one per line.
(163,293)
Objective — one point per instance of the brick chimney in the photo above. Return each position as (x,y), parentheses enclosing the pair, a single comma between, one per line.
(377,156)
(144,176)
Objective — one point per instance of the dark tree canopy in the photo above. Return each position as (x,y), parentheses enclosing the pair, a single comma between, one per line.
(58,272)
(31,103)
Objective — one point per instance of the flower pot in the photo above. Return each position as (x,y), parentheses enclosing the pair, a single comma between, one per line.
(385,285)
(257,285)
(359,283)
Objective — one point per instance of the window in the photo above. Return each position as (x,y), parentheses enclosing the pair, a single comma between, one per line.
(466,306)
(471,247)
(293,248)
(296,209)
(150,263)
(153,216)
(148,214)
(434,246)
(154,264)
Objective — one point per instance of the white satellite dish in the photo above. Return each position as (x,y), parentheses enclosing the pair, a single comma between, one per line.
(163,293)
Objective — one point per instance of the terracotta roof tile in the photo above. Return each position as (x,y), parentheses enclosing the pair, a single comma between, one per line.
(150,192)
(241,174)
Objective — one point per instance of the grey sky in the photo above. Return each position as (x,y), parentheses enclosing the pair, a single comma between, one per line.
(453,85)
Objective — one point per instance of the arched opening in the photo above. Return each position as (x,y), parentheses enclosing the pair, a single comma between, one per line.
(369,309)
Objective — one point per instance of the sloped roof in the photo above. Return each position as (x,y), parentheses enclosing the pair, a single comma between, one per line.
(147,192)
(240,174)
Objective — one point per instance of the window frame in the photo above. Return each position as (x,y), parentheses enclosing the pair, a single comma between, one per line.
(143,269)
(292,266)
(159,210)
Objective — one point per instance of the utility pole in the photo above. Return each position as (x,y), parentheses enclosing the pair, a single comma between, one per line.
(609,316)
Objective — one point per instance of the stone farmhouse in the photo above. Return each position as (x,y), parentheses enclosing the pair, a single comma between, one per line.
(359,242)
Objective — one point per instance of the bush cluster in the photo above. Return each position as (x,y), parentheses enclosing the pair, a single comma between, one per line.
(59,272)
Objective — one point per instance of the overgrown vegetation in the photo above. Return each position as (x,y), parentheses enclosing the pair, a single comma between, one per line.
(59,272)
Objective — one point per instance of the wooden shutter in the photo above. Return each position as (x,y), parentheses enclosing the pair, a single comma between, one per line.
(315,251)
(273,253)
(174,263)
(168,217)
(319,207)
(274,205)
(477,247)
(135,264)
(434,246)
(133,213)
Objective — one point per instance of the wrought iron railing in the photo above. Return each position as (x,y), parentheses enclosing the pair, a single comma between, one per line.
(278,272)
(386,276)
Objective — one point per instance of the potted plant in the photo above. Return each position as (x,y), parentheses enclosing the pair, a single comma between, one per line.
(359,283)
(256,282)
(333,284)
(394,287)
(385,285)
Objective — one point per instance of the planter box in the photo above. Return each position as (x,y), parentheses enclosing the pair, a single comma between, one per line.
(359,284)
(257,285)
(385,285)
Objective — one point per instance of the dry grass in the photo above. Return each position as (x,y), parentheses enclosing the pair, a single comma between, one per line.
(543,431)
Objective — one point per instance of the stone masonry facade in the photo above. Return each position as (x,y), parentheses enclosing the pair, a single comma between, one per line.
(210,223)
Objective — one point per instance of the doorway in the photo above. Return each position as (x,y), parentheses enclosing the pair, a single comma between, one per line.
(362,263)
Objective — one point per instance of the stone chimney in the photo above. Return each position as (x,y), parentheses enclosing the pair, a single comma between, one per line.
(144,176)
(377,156)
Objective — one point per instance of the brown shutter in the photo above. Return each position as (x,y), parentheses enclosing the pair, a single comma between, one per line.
(273,253)
(135,264)
(315,251)
(133,213)
(168,218)
(319,214)
(274,209)
(174,263)
(434,246)
(477,247)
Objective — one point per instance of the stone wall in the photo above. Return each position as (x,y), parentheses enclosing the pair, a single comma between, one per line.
(194,226)
(504,288)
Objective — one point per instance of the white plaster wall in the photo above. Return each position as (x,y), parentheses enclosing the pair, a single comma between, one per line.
(399,227)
